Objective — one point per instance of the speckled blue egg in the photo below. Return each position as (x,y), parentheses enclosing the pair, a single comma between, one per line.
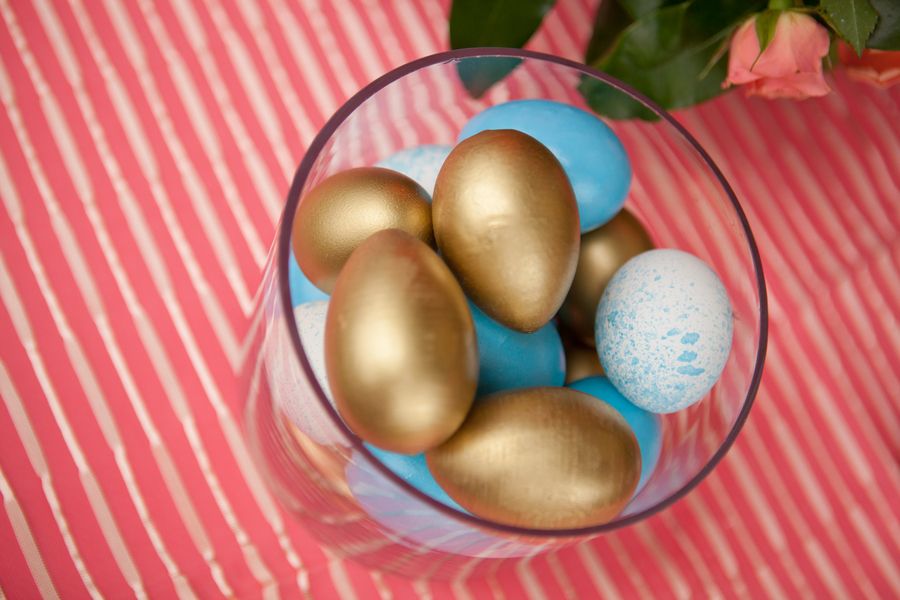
(589,151)
(420,163)
(509,359)
(414,471)
(663,330)
(645,425)
(302,289)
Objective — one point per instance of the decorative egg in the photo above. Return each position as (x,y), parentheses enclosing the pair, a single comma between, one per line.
(420,163)
(592,155)
(342,211)
(400,346)
(506,223)
(664,329)
(581,360)
(645,425)
(310,319)
(414,471)
(510,359)
(290,386)
(603,251)
(302,289)
(542,458)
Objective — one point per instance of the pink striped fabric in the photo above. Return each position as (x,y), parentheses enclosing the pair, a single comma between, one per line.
(146,151)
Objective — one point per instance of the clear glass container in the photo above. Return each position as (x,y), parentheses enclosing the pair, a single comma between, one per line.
(320,470)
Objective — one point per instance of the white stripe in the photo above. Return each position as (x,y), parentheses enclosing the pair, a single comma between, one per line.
(260,102)
(75,167)
(529,582)
(886,561)
(785,387)
(692,553)
(845,217)
(199,197)
(802,421)
(32,445)
(339,578)
(560,574)
(872,364)
(80,363)
(305,60)
(857,174)
(676,582)
(269,191)
(331,50)
(781,193)
(603,583)
(738,524)
(63,231)
(884,163)
(101,320)
(96,499)
(253,18)
(25,540)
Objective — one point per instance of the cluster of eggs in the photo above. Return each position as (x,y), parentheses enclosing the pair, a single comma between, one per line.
(495,327)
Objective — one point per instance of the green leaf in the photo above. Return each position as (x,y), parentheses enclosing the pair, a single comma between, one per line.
(638,8)
(497,23)
(887,32)
(854,20)
(611,19)
(765,28)
(672,55)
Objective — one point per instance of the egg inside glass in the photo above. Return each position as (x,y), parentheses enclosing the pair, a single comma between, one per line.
(323,473)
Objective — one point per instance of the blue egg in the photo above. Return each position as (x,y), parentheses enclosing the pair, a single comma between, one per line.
(589,151)
(419,163)
(645,425)
(509,359)
(414,471)
(302,289)
(663,330)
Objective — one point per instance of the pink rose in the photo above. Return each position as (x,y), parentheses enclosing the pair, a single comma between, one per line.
(790,67)
(877,67)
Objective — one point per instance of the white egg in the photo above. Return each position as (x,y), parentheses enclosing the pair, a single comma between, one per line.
(420,163)
(663,330)
(310,318)
(291,389)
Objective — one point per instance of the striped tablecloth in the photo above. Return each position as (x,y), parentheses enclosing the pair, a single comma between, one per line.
(146,150)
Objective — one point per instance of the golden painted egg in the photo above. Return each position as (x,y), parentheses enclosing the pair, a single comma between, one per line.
(342,211)
(506,222)
(603,251)
(581,360)
(400,349)
(541,458)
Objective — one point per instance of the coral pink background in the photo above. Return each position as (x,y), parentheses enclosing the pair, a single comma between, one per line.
(146,151)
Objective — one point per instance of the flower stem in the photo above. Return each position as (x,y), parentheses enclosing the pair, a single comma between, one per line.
(780,4)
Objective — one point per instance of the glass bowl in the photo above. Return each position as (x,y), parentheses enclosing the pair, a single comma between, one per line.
(321,471)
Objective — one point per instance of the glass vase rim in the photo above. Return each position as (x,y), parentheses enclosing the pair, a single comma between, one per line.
(283,250)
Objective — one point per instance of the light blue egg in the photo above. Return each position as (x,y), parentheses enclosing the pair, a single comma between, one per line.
(589,151)
(509,359)
(663,330)
(414,471)
(302,289)
(645,425)
(420,163)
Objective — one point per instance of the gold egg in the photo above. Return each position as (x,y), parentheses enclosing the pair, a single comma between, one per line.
(506,222)
(581,360)
(400,347)
(342,211)
(542,458)
(603,251)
